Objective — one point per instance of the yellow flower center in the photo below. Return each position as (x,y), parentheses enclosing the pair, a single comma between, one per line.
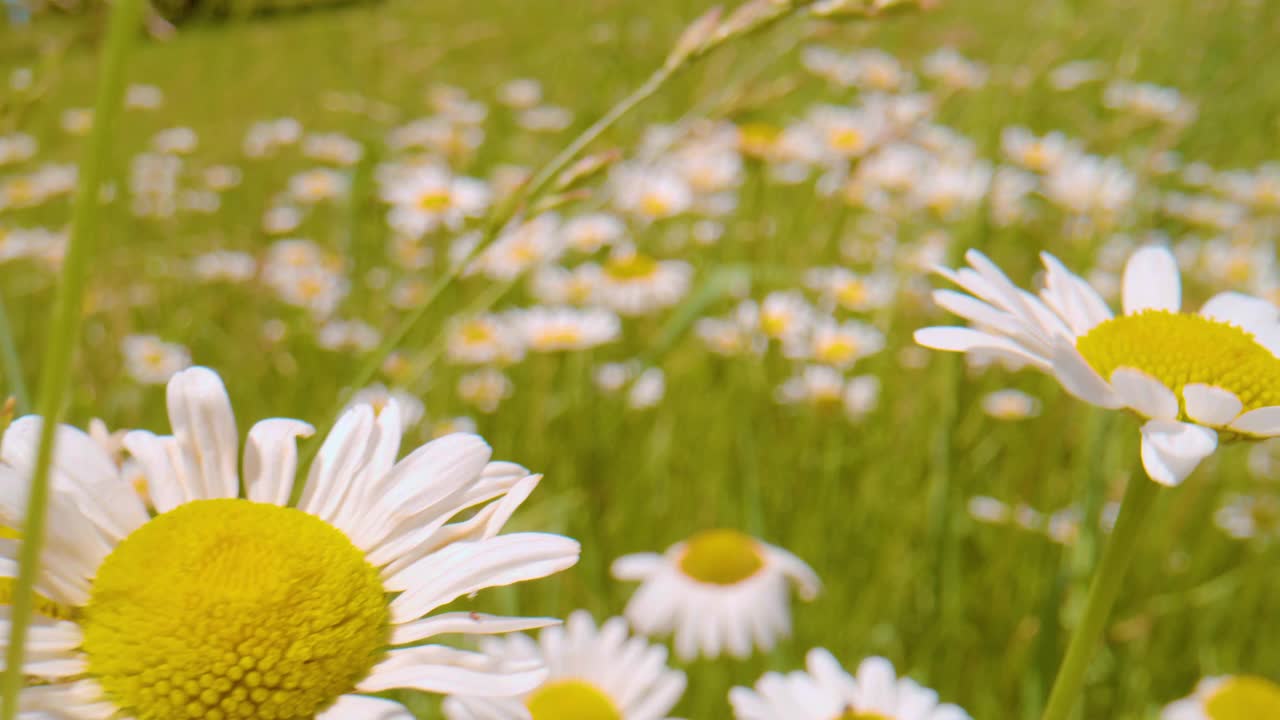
(435,200)
(571,700)
(1036,157)
(233,609)
(1244,698)
(655,204)
(775,324)
(1180,348)
(630,267)
(852,714)
(836,350)
(757,139)
(852,294)
(721,557)
(477,333)
(563,336)
(847,140)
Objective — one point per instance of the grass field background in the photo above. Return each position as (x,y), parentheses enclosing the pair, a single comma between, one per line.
(981,613)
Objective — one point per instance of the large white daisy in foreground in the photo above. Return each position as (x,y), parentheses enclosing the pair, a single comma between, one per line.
(825,691)
(720,590)
(230,604)
(596,674)
(1194,378)
(1240,697)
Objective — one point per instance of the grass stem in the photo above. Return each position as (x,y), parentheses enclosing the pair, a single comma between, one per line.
(125,21)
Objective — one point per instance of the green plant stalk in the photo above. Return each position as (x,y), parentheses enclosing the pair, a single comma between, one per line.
(12,363)
(125,21)
(526,195)
(1138,498)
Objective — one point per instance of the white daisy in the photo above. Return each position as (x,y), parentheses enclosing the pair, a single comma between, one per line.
(1193,378)
(839,345)
(484,340)
(1239,697)
(633,283)
(596,674)
(1010,404)
(229,603)
(552,329)
(719,591)
(152,361)
(825,691)
(426,199)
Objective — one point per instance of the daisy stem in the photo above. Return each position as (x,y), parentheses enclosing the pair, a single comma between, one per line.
(123,27)
(1138,498)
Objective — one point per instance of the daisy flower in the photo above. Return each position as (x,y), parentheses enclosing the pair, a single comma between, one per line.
(633,283)
(428,198)
(230,603)
(590,233)
(1194,378)
(1240,697)
(1010,404)
(650,193)
(718,591)
(839,345)
(152,361)
(315,186)
(552,329)
(785,314)
(482,340)
(825,691)
(596,673)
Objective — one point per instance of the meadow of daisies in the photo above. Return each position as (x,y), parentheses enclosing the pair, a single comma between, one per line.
(609,360)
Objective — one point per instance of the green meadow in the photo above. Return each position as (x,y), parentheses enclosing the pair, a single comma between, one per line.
(879,504)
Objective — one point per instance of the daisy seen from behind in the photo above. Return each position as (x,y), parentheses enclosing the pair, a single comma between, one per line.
(1194,378)
(719,591)
(229,603)
(597,673)
(825,691)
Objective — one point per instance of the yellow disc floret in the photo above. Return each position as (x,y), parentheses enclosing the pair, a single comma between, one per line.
(721,557)
(233,609)
(632,266)
(1180,349)
(852,714)
(1244,698)
(571,700)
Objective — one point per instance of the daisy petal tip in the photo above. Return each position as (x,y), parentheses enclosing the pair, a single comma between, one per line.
(1172,450)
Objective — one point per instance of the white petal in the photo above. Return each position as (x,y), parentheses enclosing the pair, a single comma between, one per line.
(356,707)
(1209,405)
(637,566)
(467,567)
(1263,422)
(465,623)
(1144,394)
(1245,311)
(1172,450)
(1080,379)
(82,469)
(440,669)
(960,339)
(205,426)
(1255,315)
(1151,281)
(162,464)
(271,459)
(1072,298)
(344,452)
